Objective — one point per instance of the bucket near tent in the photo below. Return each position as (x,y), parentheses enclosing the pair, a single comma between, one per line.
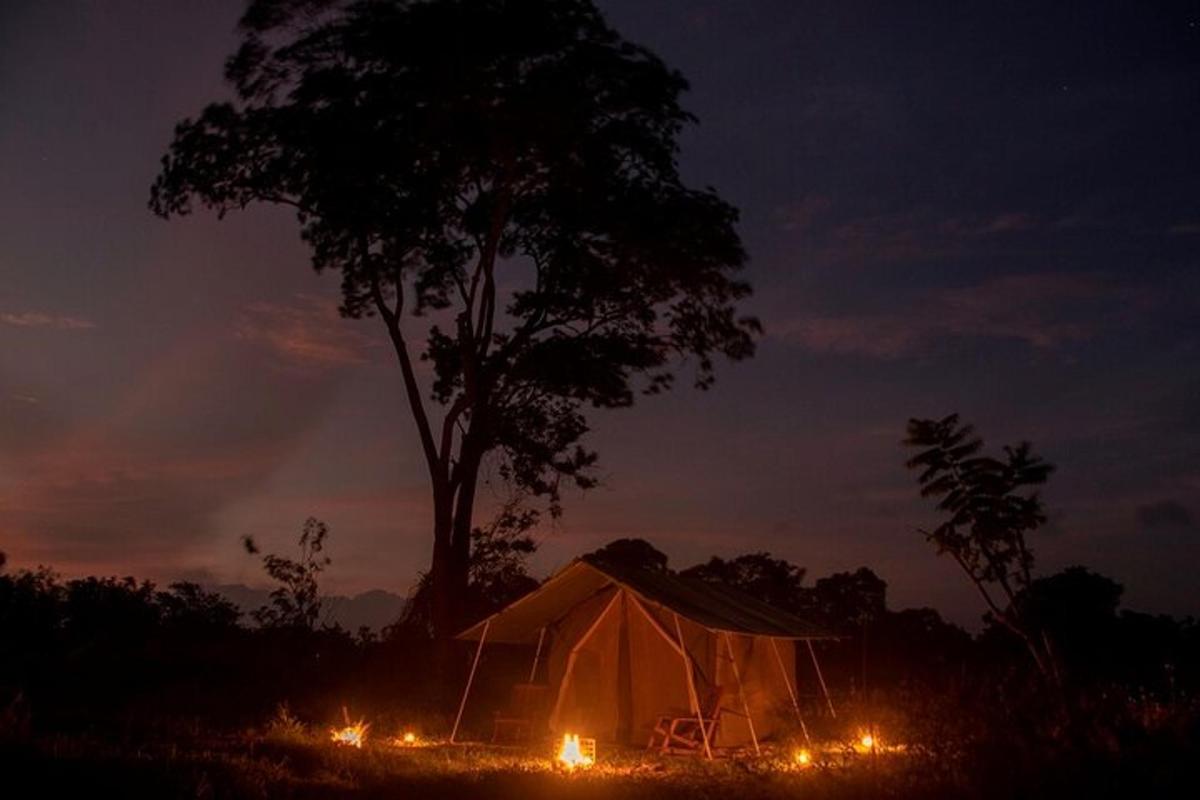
(620,649)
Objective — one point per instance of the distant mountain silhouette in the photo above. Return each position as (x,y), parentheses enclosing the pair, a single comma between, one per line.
(374,609)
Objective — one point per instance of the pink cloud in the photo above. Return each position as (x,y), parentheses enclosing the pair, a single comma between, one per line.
(306,334)
(141,479)
(38,319)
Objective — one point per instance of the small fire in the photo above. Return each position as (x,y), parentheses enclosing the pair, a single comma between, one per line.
(406,739)
(867,741)
(571,753)
(803,758)
(352,734)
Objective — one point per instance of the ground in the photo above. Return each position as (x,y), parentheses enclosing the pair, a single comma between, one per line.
(255,765)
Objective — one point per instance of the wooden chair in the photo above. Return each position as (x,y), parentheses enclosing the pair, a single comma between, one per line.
(681,732)
(527,706)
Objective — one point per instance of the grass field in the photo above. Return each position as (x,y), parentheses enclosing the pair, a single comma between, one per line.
(256,765)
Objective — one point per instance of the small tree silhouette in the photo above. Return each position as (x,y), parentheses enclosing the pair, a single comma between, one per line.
(990,506)
(296,602)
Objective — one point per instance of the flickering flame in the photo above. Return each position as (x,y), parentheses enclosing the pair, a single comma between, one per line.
(803,758)
(867,741)
(571,755)
(406,739)
(352,734)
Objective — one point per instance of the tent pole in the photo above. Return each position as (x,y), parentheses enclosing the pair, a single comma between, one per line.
(742,693)
(537,653)
(791,692)
(470,680)
(821,678)
(655,624)
(687,670)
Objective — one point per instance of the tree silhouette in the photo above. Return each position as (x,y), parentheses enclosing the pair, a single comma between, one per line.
(635,553)
(296,602)
(772,580)
(507,170)
(989,505)
(497,573)
(1077,610)
(848,601)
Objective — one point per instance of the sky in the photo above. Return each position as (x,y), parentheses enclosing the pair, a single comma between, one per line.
(974,207)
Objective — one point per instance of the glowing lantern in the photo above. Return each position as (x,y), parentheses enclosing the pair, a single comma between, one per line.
(576,752)
(406,739)
(867,742)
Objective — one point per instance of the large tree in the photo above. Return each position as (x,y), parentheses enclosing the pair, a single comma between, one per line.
(497,182)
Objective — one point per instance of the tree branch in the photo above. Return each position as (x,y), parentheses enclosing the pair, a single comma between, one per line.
(411,387)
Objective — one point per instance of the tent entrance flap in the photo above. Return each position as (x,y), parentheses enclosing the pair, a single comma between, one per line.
(575,701)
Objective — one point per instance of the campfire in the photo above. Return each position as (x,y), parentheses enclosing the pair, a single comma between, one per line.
(351,734)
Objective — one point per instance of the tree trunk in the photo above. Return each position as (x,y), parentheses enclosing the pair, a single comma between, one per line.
(450,570)
(470,458)
(440,567)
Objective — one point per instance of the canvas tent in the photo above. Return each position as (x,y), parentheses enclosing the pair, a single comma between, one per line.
(620,646)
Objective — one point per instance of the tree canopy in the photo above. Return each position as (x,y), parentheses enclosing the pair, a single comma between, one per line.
(505,169)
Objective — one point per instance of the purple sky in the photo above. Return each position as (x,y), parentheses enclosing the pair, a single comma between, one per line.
(984,208)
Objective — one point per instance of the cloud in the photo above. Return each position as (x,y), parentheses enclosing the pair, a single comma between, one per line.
(1046,312)
(38,319)
(1164,514)
(138,478)
(803,214)
(306,334)
(831,237)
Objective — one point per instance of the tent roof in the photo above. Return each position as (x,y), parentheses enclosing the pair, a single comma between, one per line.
(710,605)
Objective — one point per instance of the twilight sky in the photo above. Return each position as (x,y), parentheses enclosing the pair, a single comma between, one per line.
(990,208)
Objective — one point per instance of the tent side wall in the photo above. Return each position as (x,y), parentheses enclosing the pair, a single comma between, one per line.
(657,681)
(766,692)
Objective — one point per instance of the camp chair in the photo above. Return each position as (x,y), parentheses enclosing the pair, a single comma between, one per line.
(526,706)
(680,731)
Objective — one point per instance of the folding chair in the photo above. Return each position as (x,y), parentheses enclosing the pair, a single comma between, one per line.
(681,731)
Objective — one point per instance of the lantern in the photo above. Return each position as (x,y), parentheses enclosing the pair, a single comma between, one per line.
(576,752)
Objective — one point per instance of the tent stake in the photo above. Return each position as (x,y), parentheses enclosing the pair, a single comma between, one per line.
(742,693)
(791,692)
(821,678)
(687,669)
(537,654)
(470,679)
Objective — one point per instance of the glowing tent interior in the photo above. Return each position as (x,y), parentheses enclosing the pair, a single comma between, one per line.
(618,647)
